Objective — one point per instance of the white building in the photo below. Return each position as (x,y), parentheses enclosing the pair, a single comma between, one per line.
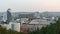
(39,23)
(13,26)
(24,20)
(4,17)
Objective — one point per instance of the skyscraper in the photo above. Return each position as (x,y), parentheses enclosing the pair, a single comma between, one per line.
(8,16)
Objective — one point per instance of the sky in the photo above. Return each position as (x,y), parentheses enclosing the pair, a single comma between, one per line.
(30,5)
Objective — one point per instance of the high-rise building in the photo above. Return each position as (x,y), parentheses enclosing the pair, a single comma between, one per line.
(1,19)
(8,16)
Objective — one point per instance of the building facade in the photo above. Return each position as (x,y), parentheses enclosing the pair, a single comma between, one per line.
(8,16)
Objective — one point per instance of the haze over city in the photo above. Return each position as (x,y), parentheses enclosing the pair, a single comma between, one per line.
(30,5)
(29,16)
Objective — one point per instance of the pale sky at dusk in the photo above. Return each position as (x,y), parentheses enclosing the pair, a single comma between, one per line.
(30,5)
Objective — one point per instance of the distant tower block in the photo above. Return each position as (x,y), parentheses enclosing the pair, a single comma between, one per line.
(8,16)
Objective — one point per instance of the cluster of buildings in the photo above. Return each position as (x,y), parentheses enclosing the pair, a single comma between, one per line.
(23,22)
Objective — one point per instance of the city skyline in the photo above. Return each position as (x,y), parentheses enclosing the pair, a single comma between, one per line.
(30,5)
